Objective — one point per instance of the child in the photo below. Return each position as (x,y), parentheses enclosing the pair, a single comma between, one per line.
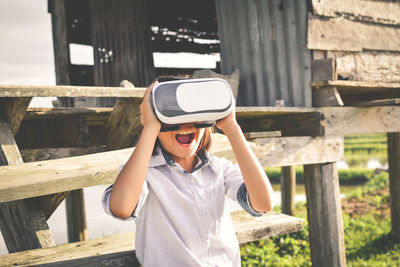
(176,192)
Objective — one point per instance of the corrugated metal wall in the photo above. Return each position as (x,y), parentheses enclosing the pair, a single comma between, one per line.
(121,42)
(266,41)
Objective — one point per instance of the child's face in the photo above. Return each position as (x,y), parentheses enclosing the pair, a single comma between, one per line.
(183,143)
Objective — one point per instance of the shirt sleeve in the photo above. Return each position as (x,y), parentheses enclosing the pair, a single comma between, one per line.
(139,205)
(235,187)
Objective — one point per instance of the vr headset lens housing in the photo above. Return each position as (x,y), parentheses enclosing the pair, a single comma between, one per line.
(198,101)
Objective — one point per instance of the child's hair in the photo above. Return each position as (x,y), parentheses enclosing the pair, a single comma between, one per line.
(205,142)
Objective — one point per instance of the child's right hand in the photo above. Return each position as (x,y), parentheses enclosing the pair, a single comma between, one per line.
(148,118)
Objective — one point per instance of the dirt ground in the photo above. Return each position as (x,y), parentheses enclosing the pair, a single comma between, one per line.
(376,202)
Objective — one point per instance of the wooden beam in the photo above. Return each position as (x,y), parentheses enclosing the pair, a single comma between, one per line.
(288,189)
(69,91)
(250,228)
(355,91)
(290,121)
(30,155)
(384,12)
(14,110)
(323,70)
(287,151)
(354,120)
(119,249)
(346,35)
(41,113)
(324,215)
(22,223)
(123,126)
(59,175)
(368,66)
(60,40)
(325,97)
(394,178)
(381,102)
(76,217)
(53,132)
(251,136)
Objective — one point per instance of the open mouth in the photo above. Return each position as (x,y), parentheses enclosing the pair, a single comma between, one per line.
(184,138)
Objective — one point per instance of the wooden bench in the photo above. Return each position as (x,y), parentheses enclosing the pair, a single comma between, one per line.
(46,177)
(119,249)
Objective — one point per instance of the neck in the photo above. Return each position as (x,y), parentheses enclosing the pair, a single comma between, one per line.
(187,164)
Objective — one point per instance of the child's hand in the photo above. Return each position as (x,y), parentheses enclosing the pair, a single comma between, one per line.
(228,122)
(148,118)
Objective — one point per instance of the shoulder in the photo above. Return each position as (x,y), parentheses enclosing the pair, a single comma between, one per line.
(221,164)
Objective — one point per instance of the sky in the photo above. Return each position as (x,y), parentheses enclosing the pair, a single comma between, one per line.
(26,45)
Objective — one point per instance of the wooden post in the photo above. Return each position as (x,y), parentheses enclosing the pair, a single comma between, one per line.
(22,222)
(76,219)
(288,189)
(324,215)
(61,45)
(394,178)
(123,126)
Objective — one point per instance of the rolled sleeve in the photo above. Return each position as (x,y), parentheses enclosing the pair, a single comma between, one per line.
(243,199)
(235,187)
(106,202)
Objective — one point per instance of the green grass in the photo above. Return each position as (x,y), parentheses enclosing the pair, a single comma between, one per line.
(366,230)
(349,176)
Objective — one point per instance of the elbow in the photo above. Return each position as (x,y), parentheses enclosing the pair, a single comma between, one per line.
(120,211)
(265,206)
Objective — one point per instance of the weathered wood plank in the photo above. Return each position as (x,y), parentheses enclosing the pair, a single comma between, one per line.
(9,152)
(323,70)
(385,12)
(123,126)
(41,113)
(53,132)
(30,155)
(381,102)
(22,223)
(288,189)
(111,250)
(324,215)
(324,97)
(59,175)
(394,177)
(49,203)
(69,91)
(288,151)
(369,66)
(347,35)
(76,216)
(14,110)
(353,120)
(356,91)
(254,135)
(250,229)
(64,254)
(290,121)
(60,43)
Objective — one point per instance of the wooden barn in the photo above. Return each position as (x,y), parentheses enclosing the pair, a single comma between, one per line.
(307,73)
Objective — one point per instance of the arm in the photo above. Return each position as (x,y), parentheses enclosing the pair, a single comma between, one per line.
(128,185)
(256,181)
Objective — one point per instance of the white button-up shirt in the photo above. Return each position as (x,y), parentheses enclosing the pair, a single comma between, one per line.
(181,217)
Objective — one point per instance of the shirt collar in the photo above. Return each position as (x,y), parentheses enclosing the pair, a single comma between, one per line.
(162,157)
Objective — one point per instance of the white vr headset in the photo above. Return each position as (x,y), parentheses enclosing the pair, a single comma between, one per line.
(198,101)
